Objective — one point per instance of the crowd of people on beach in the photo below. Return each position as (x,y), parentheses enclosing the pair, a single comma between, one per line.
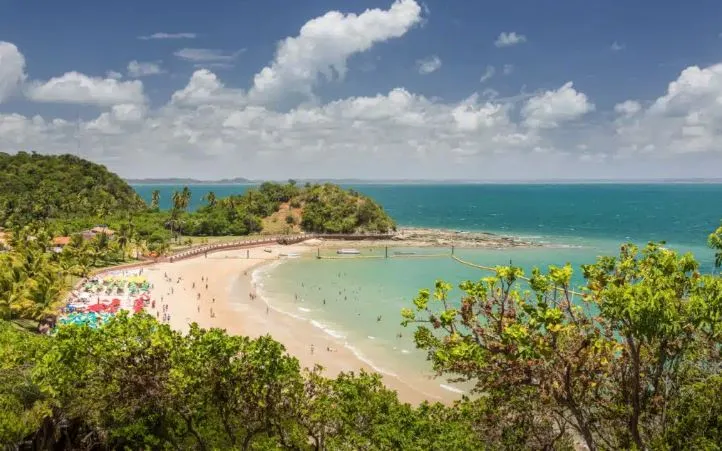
(97,299)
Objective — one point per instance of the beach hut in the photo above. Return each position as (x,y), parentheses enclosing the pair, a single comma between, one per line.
(59,242)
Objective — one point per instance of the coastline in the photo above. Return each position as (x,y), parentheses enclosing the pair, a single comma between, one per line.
(432,237)
(240,309)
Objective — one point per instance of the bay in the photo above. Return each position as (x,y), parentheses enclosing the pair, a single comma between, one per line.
(359,301)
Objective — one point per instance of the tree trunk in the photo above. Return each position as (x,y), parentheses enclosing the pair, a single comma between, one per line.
(636,404)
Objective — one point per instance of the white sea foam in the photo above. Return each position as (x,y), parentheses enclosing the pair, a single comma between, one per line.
(368,362)
(451,389)
(329,331)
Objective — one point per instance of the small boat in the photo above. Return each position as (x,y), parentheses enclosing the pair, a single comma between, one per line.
(290,255)
(268,250)
(348,251)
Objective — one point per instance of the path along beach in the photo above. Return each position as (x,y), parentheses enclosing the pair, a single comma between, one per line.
(217,291)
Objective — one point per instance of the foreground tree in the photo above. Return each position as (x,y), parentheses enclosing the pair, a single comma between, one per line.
(136,384)
(611,368)
(715,242)
(155,199)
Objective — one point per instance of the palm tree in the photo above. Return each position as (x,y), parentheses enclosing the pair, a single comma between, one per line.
(124,234)
(8,289)
(155,199)
(138,242)
(185,198)
(211,198)
(177,199)
(43,296)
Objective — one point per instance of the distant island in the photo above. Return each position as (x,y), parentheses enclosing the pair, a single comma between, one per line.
(352,181)
(188,181)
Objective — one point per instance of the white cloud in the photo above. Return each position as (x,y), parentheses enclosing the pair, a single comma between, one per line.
(628,108)
(169,36)
(488,73)
(470,115)
(12,70)
(204,88)
(323,46)
(206,55)
(684,120)
(508,69)
(509,39)
(138,69)
(428,65)
(74,87)
(551,108)
(617,46)
(210,129)
(115,75)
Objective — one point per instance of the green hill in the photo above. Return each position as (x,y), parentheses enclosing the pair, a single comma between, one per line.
(39,187)
(286,208)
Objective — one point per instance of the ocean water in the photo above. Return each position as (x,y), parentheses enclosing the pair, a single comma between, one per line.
(358,301)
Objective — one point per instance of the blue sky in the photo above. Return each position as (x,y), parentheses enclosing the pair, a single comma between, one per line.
(521,115)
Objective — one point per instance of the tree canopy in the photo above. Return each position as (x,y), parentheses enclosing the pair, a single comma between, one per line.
(625,364)
(71,194)
(36,187)
(320,208)
(136,384)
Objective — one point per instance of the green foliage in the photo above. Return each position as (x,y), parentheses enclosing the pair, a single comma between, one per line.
(329,209)
(22,406)
(715,242)
(325,209)
(632,365)
(34,279)
(37,187)
(137,384)
(71,194)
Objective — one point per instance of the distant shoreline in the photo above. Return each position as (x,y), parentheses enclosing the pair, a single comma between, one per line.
(240,181)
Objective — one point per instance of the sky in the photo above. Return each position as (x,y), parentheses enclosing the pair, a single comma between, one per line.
(377,89)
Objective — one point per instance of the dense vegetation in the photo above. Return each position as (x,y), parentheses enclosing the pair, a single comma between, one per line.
(136,384)
(33,279)
(37,187)
(70,194)
(628,364)
(312,208)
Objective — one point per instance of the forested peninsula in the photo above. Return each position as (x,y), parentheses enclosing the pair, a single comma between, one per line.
(629,360)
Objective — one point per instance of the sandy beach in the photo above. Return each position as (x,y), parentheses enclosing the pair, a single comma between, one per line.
(217,291)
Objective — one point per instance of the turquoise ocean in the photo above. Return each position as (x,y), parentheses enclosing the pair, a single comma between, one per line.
(358,300)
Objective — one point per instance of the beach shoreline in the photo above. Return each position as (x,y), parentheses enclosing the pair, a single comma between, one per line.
(219,291)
